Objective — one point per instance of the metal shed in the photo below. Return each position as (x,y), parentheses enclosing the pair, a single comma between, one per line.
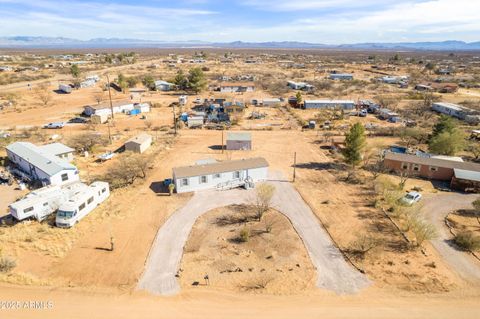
(239,141)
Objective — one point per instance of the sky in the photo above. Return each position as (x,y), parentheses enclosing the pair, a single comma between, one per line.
(315,21)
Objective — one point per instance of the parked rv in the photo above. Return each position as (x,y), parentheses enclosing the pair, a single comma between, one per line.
(81,203)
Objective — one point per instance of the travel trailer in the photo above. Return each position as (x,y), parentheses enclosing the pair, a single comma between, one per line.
(42,202)
(81,203)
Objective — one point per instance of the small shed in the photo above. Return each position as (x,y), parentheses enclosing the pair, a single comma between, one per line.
(139,143)
(239,141)
(99,118)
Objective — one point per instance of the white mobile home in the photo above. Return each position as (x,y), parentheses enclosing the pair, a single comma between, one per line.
(60,150)
(164,86)
(104,108)
(300,86)
(329,104)
(41,165)
(220,175)
(450,109)
(340,76)
(229,87)
(139,143)
(81,203)
(271,102)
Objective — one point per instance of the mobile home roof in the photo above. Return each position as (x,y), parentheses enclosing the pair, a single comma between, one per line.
(219,167)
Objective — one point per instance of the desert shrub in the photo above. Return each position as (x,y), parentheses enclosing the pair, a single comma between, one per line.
(363,244)
(244,235)
(87,141)
(421,229)
(129,168)
(7,264)
(467,241)
(263,196)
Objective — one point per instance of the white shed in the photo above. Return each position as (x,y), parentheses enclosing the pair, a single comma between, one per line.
(139,143)
(220,174)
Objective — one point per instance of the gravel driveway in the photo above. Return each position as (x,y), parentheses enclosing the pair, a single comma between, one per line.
(435,208)
(333,272)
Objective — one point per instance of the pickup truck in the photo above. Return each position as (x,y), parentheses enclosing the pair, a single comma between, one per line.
(54,125)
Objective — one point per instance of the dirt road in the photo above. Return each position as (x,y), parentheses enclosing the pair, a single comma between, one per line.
(333,272)
(436,208)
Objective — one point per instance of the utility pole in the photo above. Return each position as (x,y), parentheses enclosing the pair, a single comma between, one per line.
(174,120)
(294,165)
(110,97)
(109,134)
(223,128)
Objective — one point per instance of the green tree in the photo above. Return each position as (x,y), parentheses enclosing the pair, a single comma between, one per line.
(299,97)
(75,71)
(149,82)
(132,81)
(196,80)
(444,124)
(355,142)
(447,143)
(181,80)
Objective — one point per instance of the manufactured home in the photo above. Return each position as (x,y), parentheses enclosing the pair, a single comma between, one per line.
(329,104)
(271,102)
(220,175)
(229,87)
(60,150)
(164,86)
(139,143)
(81,203)
(340,76)
(38,164)
(451,109)
(239,141)
(300,86)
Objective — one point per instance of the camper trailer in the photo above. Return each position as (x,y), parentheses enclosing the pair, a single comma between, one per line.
(42,202)
(65,88)
(81,203)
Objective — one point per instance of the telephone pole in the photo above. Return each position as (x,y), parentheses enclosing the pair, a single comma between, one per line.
(110,97)
(174,120)
(294,165)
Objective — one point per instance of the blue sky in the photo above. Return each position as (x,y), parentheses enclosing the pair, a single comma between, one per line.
(318,21)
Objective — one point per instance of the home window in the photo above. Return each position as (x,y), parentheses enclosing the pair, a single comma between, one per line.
(416,167)
(236,174)
(45,204)
(404,165)
(104,190)
(185,182)
(433,168)
(27,210)
(203,179)
(81,206)
(90,200)
(64,177)
(217,175)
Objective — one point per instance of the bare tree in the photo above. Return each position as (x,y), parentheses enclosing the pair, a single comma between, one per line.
(264,193)
(42,92)
(421,229)
(99,96)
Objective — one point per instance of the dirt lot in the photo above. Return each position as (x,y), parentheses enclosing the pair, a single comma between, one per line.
(269,262)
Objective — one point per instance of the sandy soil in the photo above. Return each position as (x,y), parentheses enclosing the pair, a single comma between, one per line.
(277,259)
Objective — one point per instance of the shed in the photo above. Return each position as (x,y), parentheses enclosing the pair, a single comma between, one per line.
(239,141)
(139,143)
(99,118)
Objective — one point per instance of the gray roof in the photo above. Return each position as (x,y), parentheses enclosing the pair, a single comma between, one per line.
(41,159)
(140,138)
(219,167)
(439,162)
(467,175)
(56,148)
(239,136)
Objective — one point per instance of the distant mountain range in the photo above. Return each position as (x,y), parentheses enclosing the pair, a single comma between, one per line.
(61,42)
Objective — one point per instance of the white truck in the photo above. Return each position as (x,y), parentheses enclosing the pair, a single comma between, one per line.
(42,202)
(81,203)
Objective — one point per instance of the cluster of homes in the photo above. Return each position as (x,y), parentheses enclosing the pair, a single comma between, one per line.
(89,81)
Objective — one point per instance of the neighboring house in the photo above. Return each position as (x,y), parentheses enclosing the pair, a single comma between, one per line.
(139,143)
(457,111)
(60,150)
(239,141)
(437,87)
(161,85)
(329,104)
(38,164)
(233,107)
(461,175)
(228,87)
(271,102)
(300,86)
(340,76)
(394,79)
(220,174)
(117,107)
(386,114)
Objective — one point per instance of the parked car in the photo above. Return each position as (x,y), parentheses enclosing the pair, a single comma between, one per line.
(411,198)
(362,113)
(78,120)
(54,125)
(106,156)
(197,100)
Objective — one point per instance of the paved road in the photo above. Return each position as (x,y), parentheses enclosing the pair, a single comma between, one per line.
(436,207)
(333,272)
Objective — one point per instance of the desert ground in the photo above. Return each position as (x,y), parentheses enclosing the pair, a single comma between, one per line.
(74,269)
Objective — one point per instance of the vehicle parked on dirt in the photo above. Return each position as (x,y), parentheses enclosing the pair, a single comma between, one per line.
(80,120)
(54,125)
(411,198)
